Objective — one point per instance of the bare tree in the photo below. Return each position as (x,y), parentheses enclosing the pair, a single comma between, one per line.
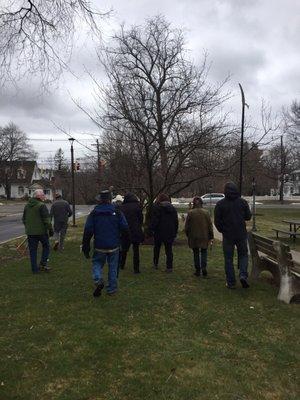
(291,127)
(159,105)
(14,146)
(36,36)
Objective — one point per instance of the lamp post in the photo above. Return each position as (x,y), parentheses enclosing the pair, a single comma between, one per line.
(242,140)
(253,206)
(71,140)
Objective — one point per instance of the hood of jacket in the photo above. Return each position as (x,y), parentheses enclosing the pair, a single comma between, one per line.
(33,202)
(130,198)
(231,191)
(167,206)
(104,209)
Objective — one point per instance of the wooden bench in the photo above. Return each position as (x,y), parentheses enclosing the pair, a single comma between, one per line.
(292,234)
(275,257)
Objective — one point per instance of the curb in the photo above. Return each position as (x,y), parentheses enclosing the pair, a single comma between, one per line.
(10,240)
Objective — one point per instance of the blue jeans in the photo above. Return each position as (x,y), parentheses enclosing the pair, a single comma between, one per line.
(242,250)
(99,260)
(33,242)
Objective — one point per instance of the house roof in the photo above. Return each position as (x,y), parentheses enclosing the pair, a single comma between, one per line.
(25,167)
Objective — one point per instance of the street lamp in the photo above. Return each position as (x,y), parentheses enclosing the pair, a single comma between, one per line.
(71,140)
(253,206)
(242,139)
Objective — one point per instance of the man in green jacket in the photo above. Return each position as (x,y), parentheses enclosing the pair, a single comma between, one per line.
(37,223)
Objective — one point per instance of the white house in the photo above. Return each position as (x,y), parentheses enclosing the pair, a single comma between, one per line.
(24,177)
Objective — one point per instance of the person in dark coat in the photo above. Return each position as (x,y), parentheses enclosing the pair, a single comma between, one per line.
(230,216)
(60,212)
(199,231)
(164,226)
(132,210)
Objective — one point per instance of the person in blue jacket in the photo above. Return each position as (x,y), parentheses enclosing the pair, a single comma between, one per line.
(107,225)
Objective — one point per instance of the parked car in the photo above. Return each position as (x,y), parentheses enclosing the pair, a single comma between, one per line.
(212,198)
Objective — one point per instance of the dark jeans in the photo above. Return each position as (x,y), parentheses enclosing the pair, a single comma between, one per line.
(200,262)
(33,242)
(168,250)
(242,250)
(136,257)
(60,230)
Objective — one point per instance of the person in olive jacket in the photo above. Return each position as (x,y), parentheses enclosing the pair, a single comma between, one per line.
(133,212)
(199,231)
(38,228)
(230,216)
(164,226)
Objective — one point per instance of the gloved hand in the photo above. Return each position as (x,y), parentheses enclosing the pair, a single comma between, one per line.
(51,232)
(86,251)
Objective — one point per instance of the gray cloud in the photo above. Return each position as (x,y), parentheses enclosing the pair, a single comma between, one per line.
(255,41)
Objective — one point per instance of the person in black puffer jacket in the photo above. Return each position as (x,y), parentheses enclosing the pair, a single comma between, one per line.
(230,216)
(164,226)
(132,210)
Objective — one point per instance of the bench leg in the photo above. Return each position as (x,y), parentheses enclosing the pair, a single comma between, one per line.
(286,291)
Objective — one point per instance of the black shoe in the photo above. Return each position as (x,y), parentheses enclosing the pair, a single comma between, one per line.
(204,271)
(244,283)
(97,291)
(197,273)
(155,266)
(168,270)
(230,286)
(136,271)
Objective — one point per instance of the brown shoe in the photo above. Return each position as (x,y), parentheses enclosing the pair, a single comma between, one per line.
(55,247)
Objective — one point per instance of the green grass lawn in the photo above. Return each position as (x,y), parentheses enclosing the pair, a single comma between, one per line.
(163,336)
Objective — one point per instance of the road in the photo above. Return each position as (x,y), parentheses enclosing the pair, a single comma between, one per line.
(11,225)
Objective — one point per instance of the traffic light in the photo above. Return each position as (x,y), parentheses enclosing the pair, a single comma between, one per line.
(77,166)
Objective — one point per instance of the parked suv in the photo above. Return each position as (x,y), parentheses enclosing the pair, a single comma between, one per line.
(212,198)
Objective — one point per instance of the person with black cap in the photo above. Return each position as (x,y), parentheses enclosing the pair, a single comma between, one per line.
(164,226)
(133,212)
(230,216)
(106,224)
(60,213)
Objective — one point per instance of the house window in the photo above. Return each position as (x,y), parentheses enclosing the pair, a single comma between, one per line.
(21,173)
(46,191)
(21,191)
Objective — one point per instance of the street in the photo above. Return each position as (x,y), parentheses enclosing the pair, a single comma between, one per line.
(11,225)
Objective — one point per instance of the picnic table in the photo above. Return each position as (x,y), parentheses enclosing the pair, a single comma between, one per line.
(292,232)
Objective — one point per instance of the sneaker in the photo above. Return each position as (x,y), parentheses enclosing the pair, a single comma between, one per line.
(204,271)
(244,283)
(231,286)
(56,245)
(99,287)
(45,268)
(112,293)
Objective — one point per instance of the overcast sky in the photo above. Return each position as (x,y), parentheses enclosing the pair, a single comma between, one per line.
(255,41)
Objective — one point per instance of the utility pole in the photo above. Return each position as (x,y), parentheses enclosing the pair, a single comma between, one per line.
(242,140)
(71,140)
